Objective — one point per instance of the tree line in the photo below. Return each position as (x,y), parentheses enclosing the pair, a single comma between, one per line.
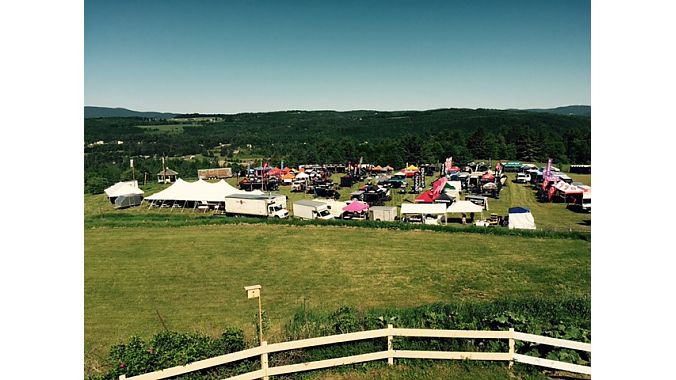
(299,137)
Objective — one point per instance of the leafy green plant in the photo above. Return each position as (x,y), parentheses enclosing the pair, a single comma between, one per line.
(168,349)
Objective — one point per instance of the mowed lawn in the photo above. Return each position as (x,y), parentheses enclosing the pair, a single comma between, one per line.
(194,277)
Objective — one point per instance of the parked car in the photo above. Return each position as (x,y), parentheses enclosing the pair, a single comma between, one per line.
(522,178)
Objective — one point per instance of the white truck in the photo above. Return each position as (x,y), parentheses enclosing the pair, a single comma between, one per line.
(307,209)
(334,206)
(269,206)
(522,177)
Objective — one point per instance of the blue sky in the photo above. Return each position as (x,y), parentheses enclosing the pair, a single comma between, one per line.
(256,56)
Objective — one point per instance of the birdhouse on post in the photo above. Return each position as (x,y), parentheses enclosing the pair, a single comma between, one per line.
(253,291)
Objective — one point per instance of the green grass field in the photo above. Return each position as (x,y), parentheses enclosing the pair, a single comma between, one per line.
(193,276)
(448,370)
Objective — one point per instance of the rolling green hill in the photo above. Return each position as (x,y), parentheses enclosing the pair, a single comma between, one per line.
(567,110)
(96,112)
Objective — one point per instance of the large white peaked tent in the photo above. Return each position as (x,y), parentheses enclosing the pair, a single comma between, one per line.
(182,192)
(520,217)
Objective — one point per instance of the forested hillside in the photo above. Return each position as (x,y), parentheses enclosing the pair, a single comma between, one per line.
(298,137)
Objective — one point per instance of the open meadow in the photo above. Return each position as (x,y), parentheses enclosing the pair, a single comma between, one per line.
(142,278)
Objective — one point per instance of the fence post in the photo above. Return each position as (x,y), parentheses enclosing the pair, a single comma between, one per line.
(511,347)
(390,348)
(264,359)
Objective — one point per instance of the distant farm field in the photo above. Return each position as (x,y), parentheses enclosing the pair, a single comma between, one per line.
(193,277)
(168,128)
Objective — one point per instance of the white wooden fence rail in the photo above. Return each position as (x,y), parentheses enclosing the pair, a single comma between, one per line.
(390,332)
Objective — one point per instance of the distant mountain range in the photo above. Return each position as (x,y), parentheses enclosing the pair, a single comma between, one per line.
(566,110)
(94,112)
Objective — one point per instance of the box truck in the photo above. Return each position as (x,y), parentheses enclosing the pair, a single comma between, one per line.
(307,209)
(270,206)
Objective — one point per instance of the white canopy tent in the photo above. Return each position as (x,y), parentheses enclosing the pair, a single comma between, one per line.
(521,218)
(423,209)
(123,188)
(464,207)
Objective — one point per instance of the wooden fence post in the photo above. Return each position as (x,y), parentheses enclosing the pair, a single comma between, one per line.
(390,348)
(511,347)
(264,359)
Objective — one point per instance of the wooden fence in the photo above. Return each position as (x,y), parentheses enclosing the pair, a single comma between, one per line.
(390,332)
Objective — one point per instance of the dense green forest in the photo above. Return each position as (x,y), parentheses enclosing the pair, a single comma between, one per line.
(298,137)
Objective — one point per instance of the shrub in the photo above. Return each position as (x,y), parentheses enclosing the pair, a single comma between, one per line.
(169,349)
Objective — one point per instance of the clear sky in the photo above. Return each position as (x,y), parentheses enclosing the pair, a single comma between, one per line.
(256,56)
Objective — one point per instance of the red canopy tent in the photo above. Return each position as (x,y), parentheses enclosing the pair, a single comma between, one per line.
(427,197)
(488,177)
(275,171)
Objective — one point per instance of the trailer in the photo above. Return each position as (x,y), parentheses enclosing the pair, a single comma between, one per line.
(270,206)
(383,213)
(217,173)
(307,209)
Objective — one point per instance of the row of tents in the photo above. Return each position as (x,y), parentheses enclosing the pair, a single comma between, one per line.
(205,195)
(186,194)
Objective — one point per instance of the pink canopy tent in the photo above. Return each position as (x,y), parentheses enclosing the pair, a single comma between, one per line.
(356,206)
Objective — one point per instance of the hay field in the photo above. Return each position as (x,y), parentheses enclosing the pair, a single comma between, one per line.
(194,276)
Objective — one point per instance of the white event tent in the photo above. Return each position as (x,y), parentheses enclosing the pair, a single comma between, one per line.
(122,188)
(464,207)
(423,209)
(183,193)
